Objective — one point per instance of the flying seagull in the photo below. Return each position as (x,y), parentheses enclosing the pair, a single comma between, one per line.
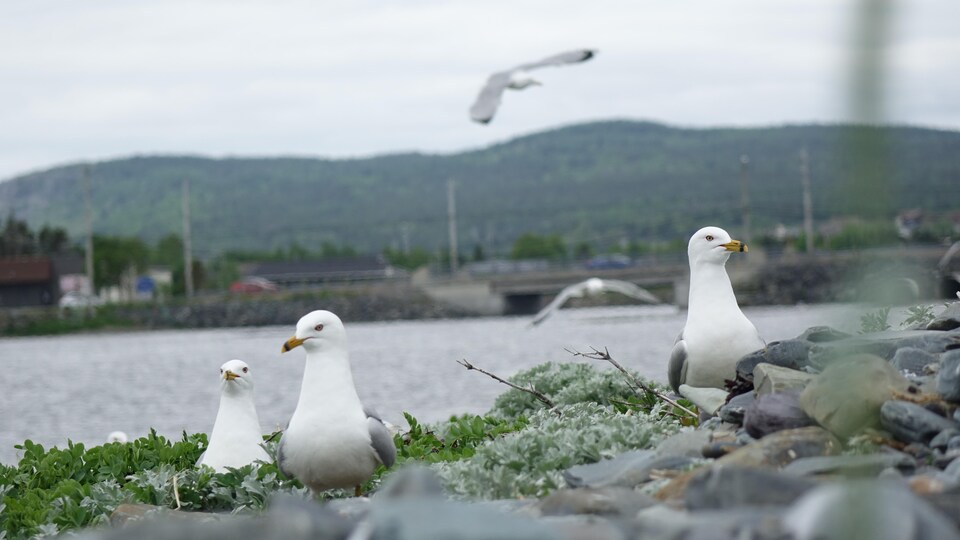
(516,78)
(332,440)
(236,439)
(591,287)
(716,334)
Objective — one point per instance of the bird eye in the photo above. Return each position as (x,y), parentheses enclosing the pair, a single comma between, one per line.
(245,370)
(709,238)
(221,371)
(318,327)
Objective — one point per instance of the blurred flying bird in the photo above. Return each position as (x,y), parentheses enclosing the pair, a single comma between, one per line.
(591,287)
(516,78)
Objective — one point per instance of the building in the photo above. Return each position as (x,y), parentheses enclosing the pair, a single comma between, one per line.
(28,281)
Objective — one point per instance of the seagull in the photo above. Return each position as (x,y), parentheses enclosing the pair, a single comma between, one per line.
(235,440)
(332,440)
(117,436)
(716,334)
(591,287)
(516,78)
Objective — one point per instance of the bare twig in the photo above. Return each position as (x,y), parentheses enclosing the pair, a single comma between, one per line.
(176,492)
(597,354)
(531,390)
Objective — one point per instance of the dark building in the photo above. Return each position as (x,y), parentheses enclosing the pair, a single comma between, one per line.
(28,281)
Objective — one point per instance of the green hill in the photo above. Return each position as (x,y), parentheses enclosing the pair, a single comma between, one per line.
(598,182)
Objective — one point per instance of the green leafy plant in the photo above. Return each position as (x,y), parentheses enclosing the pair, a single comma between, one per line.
(918,315)
(874,321)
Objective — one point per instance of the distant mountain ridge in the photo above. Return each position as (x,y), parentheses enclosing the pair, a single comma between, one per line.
(596,182)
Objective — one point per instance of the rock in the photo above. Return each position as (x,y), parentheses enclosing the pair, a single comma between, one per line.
(911,423)
(822,356)
(585,528)
(775,412)
(608,501)
(708,400)
(873,510)
(925,340)
(127,513)
(719,449)
(661,522)
(948,503)
(912,360)
(432,519)
(949,319)
(629,469)
(733,410)
(942,439)
(412,481)
(822,334)
(782,447)
(791,353)
(948,378)
(951,474)
(724,487)
(869,465)
(771,379)
(685,443)
(847,396)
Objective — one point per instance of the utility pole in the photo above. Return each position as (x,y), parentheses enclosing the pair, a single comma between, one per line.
(405,238)
(88,247)
(807,199)
(452,226)
(745,196)
(187,249)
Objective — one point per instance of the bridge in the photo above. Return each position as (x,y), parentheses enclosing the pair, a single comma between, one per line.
(506,292)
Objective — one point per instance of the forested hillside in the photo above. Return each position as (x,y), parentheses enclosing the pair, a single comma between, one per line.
(598,182)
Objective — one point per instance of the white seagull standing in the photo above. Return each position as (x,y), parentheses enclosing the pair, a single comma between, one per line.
(717,334)
(516,78)
(236,439)
(591,287)
(332,441)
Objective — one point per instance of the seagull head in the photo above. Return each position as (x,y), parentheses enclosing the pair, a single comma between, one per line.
(520,80)
(712,245)
(315,330)
(594,285)
(235,377)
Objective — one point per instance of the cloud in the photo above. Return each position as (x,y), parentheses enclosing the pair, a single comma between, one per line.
(90,80)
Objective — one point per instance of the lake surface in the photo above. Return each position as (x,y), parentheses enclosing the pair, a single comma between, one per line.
(82,387)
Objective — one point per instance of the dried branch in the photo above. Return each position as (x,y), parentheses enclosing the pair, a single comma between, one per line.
(597,354)
(531,390)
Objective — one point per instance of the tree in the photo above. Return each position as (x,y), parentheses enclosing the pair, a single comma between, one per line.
(113,255)
(52,240)
(169,251)
(535,246)
(17,238)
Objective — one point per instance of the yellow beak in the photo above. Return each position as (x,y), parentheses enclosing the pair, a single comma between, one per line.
(291,344)
(736,245)
(229,375)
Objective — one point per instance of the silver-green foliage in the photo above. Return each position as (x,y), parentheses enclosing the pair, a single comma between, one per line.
(530,462)
(564,384)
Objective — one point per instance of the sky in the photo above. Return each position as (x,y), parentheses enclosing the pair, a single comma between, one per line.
(95,80)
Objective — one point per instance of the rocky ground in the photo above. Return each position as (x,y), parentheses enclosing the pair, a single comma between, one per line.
(827,435)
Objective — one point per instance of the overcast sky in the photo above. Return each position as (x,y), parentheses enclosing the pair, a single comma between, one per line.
(89,80)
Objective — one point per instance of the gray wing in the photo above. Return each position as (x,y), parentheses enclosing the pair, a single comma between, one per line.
(488,100)
(380,438)
(569,57)
(677,367)
(630,289)
(559,300)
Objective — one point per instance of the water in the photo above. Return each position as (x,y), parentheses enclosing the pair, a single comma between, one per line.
(82,387)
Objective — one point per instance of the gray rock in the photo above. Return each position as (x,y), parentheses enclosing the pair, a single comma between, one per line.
(912,360)
(789,353)
(607,501)
(662,522)
(685,443)
(872,510)
(928,341)
(775,412)
(782,447)
(952,473)
(629,469)
(771,379)
(949,319)
(822,356)
(586,528)
(847,396)
(733,410)
(412,481)
(948,378)
(822,334)
(432,519)
(868,465)
(948,503)
(723,487)
(912,423)
(953,443)
(942,440)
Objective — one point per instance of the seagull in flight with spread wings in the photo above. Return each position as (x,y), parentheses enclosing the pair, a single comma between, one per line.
(591,287)
(516,78)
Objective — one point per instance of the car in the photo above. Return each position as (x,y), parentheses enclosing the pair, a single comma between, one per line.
(253,284)
(73,299)
(604,262)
